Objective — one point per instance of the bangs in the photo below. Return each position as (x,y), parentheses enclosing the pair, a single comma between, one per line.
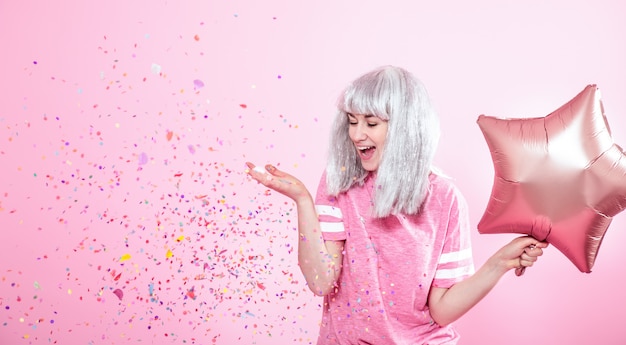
(369,95)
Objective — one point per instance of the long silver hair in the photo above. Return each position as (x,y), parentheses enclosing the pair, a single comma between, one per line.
(392,94)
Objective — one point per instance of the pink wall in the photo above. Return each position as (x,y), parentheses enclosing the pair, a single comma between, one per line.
(125,211)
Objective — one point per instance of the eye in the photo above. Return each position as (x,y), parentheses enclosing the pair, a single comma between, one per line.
(372,124)
(352,121)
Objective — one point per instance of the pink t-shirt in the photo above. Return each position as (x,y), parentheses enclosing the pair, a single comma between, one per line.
(389,265)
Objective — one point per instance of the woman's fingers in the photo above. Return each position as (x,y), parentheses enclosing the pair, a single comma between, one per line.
(524,261)
(256,172)
(527,260)
(531,249)
(252,167)
(268,172)
(277,180)
(529,242)
(266,177)
(272,169)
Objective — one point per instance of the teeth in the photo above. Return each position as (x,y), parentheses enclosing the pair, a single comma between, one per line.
(365,148)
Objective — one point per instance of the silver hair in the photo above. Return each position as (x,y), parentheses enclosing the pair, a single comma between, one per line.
(394,95)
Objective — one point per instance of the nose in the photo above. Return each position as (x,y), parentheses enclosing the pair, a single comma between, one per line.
(360,132)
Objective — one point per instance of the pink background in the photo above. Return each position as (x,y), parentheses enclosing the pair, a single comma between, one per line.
(124,127)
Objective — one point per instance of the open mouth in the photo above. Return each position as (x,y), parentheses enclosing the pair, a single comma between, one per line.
(366,152)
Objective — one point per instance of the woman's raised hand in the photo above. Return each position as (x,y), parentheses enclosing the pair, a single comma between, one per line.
(279,181)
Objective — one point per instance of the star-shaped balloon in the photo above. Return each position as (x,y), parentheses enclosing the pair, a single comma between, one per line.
(558,178)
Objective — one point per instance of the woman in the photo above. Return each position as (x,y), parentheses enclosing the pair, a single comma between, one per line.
(387,238)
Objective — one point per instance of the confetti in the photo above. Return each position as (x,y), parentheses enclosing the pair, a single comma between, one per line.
(119,293)
(158,229)
(259,169)
(143,158)
(198,84)
(155,68)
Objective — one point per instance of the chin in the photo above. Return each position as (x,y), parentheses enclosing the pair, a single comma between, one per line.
(368,167)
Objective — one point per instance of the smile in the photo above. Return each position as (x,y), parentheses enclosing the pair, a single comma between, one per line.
(366,152)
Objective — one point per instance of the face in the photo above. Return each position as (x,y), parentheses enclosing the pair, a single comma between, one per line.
(368,134)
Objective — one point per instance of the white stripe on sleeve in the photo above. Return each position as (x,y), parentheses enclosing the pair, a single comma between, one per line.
(454,272)
(455,256)
(331,227)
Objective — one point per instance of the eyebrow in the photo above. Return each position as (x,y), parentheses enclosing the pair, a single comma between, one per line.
(365,116)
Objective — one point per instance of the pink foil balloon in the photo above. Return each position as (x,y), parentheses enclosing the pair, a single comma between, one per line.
(558,178)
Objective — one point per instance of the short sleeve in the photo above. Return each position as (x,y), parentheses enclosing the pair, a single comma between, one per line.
(456,262)
(329,213)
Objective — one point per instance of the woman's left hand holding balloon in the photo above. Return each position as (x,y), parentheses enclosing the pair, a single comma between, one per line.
(520,253)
